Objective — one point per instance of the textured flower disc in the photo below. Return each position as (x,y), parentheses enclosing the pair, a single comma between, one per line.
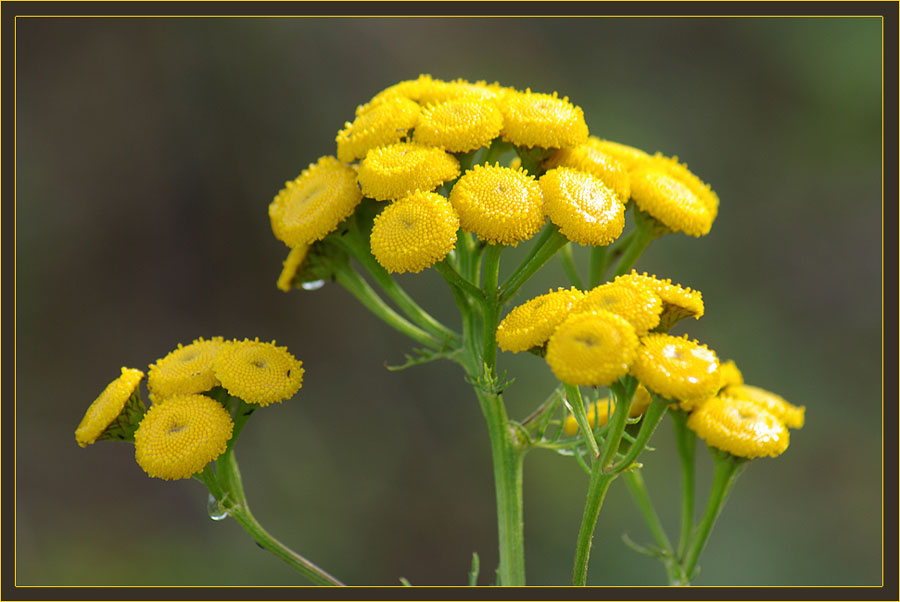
(259,373)
(678,302)
(677,368)
(628,156)
(670,201)
(501,205)
(426,90)
(533,119)
(410,89)
(637,304)
(604,407)
(605,167)
(311,206)
(740,427)
(107,407)
(290,266)
(585,209)
(414,233)
(177,439)
(729,374)
(387,123)
(592,349)
(680,172)
(530,325)
(187,369)
(792,416)
(459,125)
(395,171)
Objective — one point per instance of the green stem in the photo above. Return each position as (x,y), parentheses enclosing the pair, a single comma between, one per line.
(624,392)
(727,470)
(640,238)
(347,277)
(491,303)
(550,241)
(685,440)
(597,488)
(569,267)
(235,502)
(634,480)
(573,394)
(652,417)
(597,266)
(455,279)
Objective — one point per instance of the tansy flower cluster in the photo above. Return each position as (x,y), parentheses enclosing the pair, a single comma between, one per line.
(412,146)
(189,424)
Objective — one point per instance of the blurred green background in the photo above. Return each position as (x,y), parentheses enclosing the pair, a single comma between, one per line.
(148,150)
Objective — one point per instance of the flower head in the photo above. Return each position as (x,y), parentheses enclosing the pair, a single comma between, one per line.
(187,369)
(585,209)
(311,206)
(674,196)
(603,166)
(108,406)
(599,412)
(397,170)
(678,302)
(259,373)
(792,416)
(290,266)
(740,427)
(459,125)
(530,324)
(500,205)
(425,90)
(637,304)
(385,123)
(592,348)
(677,368)
(628,156)
(533,119)
(178,438)
(729,374)
(414,233)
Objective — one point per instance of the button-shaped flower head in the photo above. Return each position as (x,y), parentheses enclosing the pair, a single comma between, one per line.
(792,416)
(385,123)
(108,406)
(501,205)
(259,373)
(740,427)
(459,125)
(677,368)
(414,233)
(592,349)
(533,119)
(530,324)
(636,303)
(668,191)
(588,158)
(178,438)
(586,210)
(395,171)
(187,369)
(311,206)
(678,302)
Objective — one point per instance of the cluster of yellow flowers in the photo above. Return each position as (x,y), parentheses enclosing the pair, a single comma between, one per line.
(596,337)
(404,147)
(185,429)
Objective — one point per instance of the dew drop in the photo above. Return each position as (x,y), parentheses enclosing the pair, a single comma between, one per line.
(312,285)
(214,509)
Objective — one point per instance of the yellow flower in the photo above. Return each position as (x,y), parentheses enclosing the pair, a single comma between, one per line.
(601,410)
(411,89)
(792,416)
(637,304)
(414,233)
(533,119)
(290,266)
(729,374)
(107,407)
(605,167)
(459,125)
(740,427)
(187,369)
(177,439)
(585,209)
(311,206)
(530,325)
(259,373)
(386,123)
(673,195)
(592,348)
(628,156)
(678,302)
(500,205)
(426,90)
(395,171)
(677,368)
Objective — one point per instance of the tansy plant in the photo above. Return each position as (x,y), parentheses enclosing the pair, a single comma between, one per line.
(446,175)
